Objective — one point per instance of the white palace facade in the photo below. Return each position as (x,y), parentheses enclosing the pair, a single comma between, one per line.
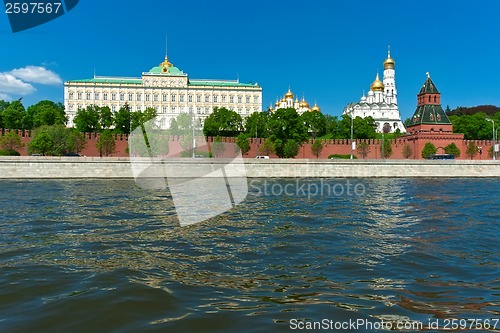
(166,89)
(381,103)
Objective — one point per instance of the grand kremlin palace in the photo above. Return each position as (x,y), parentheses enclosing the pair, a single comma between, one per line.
(166,89)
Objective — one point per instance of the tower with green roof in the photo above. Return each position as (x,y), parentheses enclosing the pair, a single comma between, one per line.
(429,116)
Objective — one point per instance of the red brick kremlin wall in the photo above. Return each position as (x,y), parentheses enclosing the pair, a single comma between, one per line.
(329,146)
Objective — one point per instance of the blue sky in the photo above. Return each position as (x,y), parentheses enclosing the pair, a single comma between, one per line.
(327,50)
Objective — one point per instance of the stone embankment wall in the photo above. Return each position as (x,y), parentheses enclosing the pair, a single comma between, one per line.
(39,167)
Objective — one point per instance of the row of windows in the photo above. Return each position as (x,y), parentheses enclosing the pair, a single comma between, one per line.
(182,109)
(173,98)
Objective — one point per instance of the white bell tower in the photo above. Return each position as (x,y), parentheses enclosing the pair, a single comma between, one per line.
(389,79)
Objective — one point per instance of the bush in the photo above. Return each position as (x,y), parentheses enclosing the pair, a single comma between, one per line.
(9,152)
(243,143)
(291,149)
(342,156)
(429,149)
(452,149)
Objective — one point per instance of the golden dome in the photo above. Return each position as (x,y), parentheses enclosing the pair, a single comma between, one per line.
(289,94)
(316,108)
(277,103)
(303,104)
(377,85)
(165,65)
(389,62)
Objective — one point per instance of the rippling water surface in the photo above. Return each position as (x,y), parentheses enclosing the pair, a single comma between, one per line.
(108,256)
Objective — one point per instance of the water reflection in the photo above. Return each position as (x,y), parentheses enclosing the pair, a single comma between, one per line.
(107,244)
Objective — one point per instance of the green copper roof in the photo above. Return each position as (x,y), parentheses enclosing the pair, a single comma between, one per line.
(429,87)
(171,71)
(430,114)
(214,83)
(113,80)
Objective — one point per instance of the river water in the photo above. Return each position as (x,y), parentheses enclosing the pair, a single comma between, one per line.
(109,256)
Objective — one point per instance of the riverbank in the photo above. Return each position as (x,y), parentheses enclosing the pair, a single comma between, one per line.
(39,167)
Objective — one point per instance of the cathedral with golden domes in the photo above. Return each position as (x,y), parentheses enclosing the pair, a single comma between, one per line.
(288,101)
(381,102)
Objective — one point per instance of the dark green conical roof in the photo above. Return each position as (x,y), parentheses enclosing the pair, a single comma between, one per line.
(430,114)
(429,87)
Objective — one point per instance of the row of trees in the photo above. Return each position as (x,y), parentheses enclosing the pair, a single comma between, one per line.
(96,119)
(228,123)
(284,130)
(13,115)
(58,140)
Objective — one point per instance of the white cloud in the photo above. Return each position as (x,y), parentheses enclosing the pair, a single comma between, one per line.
(5,97)
(12,85)
(37,74)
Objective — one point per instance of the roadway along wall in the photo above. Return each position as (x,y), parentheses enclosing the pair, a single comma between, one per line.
(38,167)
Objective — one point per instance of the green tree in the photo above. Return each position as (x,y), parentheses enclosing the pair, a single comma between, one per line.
(291,149)
(11,141)
(222,122)
(452,149)
(106,143)
(217,147)
(123,120)
(284,125)
(45,113)
(334,128)
(407,151)
(491,152)
(315,123)
(184,123)
(471,150)
(387,144)
(13,115)
(429,149)
(364,128)
(174,127)
(76,141)
(243,143)
(41,144)
(3,105)
(474,127)
(317,146)
(59,135)
(267,147)
(363,149)
(141,117)
(105,118)
(87,120)
(256,124)
(50,140)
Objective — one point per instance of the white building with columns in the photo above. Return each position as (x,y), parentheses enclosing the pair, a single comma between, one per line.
(381,102)
(165,88)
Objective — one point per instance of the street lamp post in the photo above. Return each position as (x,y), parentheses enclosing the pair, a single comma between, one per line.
(256,125)
(493,129)
(495,145)
(352,132)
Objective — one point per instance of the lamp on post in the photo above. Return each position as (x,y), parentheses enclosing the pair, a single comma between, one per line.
(493,139)
(495,145)
(353,144)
